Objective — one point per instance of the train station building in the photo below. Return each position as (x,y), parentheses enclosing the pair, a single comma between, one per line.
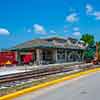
(49,51)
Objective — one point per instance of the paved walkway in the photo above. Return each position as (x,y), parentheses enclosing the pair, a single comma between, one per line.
(13,69)
(83,88)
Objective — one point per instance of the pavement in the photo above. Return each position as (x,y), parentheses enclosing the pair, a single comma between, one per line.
(13,69)
(86,87)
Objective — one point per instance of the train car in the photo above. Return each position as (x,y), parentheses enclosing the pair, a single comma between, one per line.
(7,58)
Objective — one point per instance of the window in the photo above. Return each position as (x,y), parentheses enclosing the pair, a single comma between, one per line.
(61,54)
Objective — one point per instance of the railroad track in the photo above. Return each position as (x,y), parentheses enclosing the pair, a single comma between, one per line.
(35,74)
(31,74)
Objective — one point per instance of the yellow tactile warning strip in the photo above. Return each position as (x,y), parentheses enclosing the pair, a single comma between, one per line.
(34,88)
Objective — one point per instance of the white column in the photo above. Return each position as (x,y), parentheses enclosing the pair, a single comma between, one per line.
(33,56)
(55,58)
(38,56)
(83,56)
(18,58)
(16,55)
(66,56)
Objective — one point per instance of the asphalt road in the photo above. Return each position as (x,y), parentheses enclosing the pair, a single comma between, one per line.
(83,88)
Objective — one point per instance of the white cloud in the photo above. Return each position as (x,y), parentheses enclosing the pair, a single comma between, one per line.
(4,31)
(52,31)
(76,28)
(97,15)
(73,17)
(77,33)
(65,29)
(89,9)
(92,12)
(29,30)
(39,29)
(72,10)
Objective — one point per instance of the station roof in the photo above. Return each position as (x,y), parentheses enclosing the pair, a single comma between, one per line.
(44,43)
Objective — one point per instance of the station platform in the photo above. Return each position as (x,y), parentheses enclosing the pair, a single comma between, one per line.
(18,69)
(82,88)
(12,70)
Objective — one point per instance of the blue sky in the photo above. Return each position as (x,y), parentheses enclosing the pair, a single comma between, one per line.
(23,20)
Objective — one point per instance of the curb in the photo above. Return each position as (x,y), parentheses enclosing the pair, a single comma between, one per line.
(37,87)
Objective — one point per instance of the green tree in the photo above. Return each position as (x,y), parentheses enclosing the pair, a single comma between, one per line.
(90,53)
(88,39)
